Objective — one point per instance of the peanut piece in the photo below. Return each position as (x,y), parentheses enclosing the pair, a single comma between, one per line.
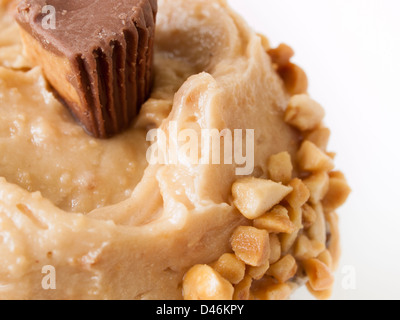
(331,155)
(280,167)
(320,277)
(242,289)
(309,216)
(276,221)
(320,295)
(281,55)
(337,175)
(284,269)
(300,194)
(274,292)
(264,42)
(258,272)
(288,240)
(306,249)
(326,258)
(275,246)
(253,197)
(304,113)
(318,230)
(318,184)
(338,192)
(294,78)
(320,137)
(203,283)
(251,245)
(231,268)
(334,241)
(313,159)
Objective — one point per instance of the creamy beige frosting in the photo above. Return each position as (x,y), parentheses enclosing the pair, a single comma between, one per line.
(113,226)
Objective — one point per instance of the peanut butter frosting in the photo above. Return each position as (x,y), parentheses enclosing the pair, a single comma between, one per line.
(113,225)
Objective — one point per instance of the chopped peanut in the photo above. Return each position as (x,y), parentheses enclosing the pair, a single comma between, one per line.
(296,216)
(251,245)
(337,175)
(294,78)
(338,192)
(284,269)
(258,272)
(231,268)
(334,241)
(320,276)
(309,216)
(331,155)
(304,113)
(280,167)
(275,246)
(318,184)
(203,283)
(318,230)
(274,292)
(320,295)
(313,159)
(320,137)
(288,240)
(300,194)
(242,289)
(281,55)
(306,249)
(276,221)
(326,258)
(264,42)
(253,197)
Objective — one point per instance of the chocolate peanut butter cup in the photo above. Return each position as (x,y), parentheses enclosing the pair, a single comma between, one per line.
(96,54)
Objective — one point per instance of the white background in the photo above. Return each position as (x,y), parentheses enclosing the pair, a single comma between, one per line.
(350,50)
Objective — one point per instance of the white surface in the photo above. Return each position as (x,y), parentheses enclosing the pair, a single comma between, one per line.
(350,50)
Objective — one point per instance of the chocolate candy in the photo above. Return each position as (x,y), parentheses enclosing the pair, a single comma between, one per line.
(96,54)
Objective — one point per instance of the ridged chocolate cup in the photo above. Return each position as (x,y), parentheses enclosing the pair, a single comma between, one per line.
(98,58)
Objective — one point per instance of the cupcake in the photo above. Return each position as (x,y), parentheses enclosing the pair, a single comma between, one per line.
(215,183)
